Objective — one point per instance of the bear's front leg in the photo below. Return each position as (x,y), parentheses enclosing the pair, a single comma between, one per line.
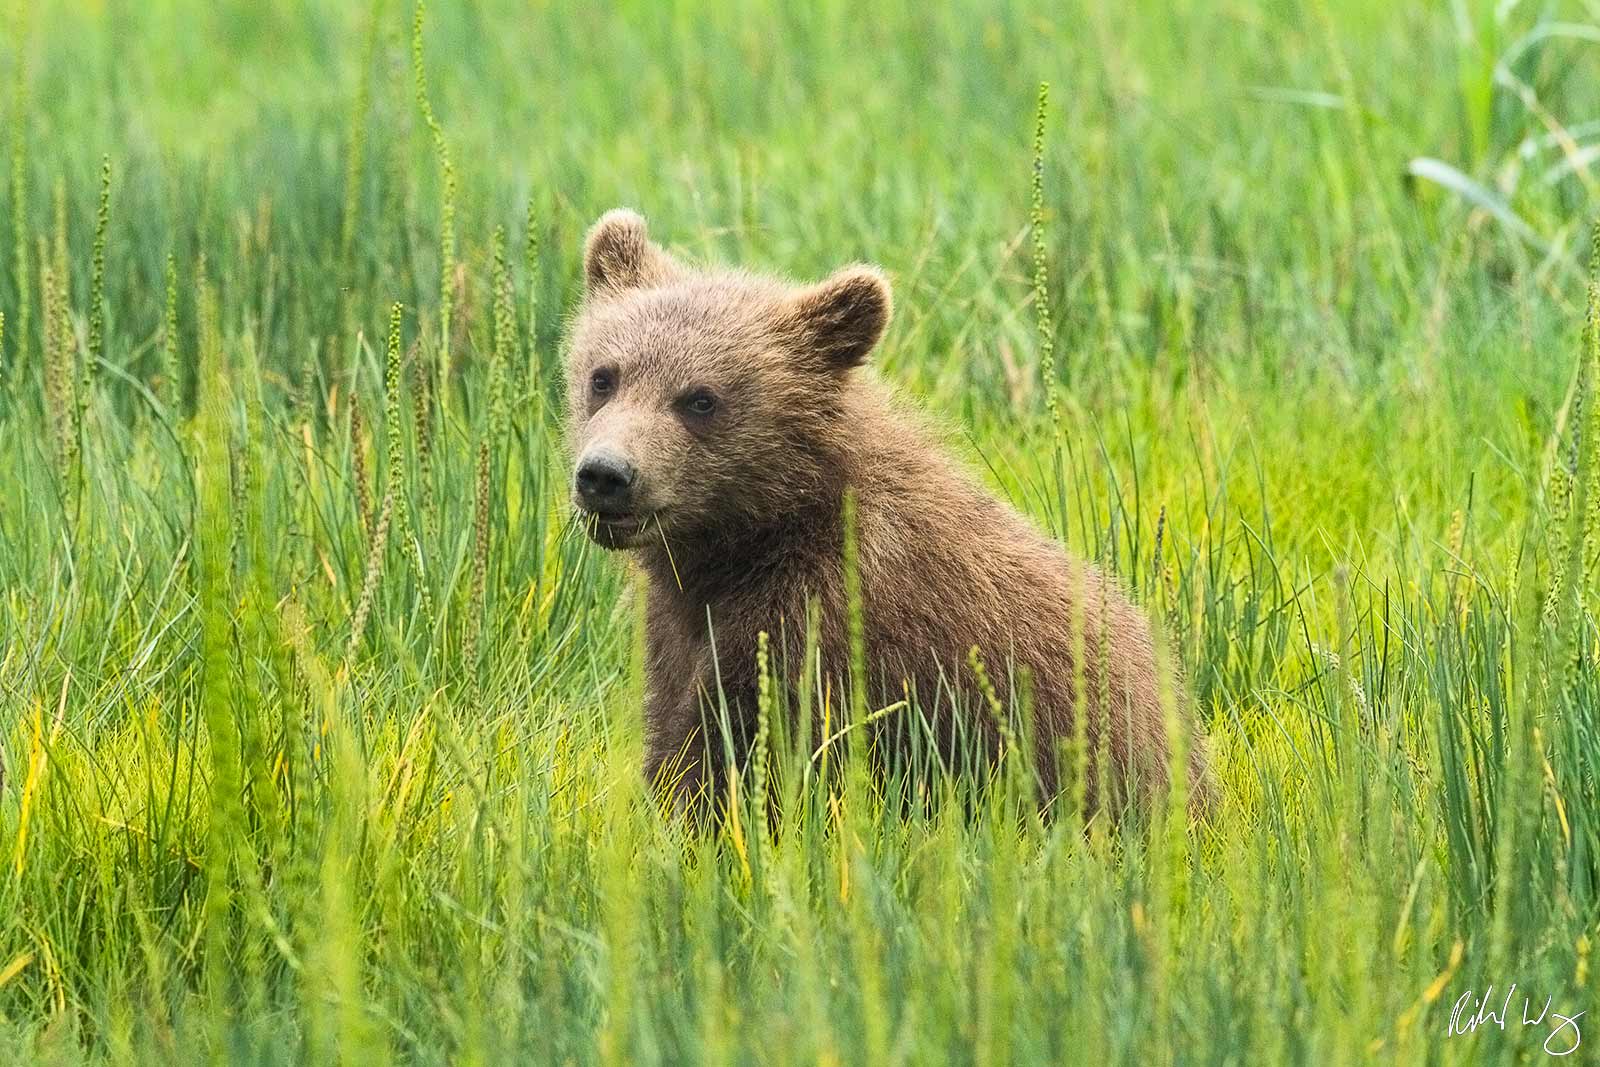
(675,767)
(698,710)
(690,743)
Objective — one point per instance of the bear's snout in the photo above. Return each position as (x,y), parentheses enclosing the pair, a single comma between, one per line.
(605,482)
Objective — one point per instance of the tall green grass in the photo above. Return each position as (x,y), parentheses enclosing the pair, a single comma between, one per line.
(319,720)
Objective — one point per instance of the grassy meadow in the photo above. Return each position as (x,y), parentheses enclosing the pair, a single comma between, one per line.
(320,723)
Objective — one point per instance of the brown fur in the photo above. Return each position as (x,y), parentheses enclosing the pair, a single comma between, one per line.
(738,524)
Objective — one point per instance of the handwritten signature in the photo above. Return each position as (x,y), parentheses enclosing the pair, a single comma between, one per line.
(1562,1040)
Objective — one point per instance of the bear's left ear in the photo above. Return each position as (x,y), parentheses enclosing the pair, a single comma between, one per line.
(841,318)
(618,254)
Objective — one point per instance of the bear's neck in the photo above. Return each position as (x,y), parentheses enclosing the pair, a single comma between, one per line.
(714,565)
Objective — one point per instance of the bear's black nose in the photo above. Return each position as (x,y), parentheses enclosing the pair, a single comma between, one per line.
(605,482)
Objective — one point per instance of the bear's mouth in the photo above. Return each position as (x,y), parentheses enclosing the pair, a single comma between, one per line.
(617,529)
(636,519)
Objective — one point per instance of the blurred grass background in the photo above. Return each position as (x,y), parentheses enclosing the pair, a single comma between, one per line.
(320,730)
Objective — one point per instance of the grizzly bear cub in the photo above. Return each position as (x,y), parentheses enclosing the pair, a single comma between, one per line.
(718,420)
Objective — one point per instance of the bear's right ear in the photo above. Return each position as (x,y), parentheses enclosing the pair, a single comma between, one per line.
(619,255)
(841,318)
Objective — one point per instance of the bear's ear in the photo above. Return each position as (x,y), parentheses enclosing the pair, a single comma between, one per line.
(619,255)
(841,318)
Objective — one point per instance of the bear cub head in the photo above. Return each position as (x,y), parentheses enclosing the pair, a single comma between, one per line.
(706,402)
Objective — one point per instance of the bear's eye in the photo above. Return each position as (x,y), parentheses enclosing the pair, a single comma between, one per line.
(602,382)
(699,403)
